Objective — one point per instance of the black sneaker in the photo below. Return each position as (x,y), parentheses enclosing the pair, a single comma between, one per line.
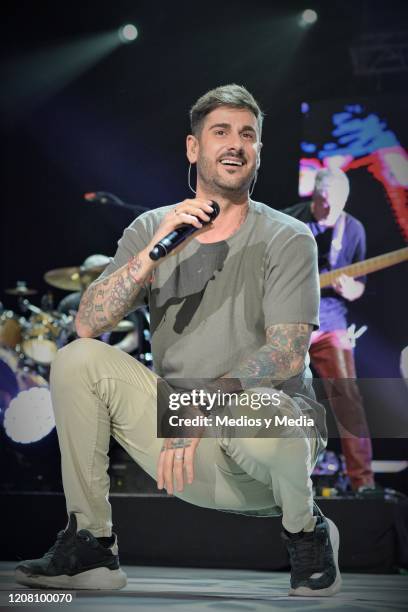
(75,561)
(314,560)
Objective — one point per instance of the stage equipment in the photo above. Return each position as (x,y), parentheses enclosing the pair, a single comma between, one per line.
(124,326)
(43,336)
(10,329)
(128,33)
(29,416)
(74,278)
(107,198)
(380,262)
(21,289)
(308,18)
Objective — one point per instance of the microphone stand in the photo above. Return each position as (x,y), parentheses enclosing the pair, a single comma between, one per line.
(114,200)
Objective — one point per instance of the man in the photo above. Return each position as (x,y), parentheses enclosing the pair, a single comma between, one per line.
(234,305)
(341,241)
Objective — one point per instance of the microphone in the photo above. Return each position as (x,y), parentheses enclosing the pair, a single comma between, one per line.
(177,236)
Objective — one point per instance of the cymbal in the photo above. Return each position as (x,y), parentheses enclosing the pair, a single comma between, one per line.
(124,326)
(74,278)
(20,290)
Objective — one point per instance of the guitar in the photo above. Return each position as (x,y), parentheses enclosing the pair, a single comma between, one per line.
(360,268)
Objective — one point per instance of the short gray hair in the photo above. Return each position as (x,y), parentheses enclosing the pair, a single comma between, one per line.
(333,175)
(232,95)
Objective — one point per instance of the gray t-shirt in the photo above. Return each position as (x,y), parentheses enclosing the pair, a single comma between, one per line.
(211,303)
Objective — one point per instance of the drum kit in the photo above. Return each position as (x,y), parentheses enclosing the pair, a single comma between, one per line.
(30,340)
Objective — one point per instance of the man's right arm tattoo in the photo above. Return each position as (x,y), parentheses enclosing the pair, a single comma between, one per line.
(107,301)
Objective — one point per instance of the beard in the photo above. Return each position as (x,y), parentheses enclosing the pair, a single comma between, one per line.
(218,183)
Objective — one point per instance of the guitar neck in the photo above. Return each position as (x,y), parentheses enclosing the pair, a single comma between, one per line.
(361,268)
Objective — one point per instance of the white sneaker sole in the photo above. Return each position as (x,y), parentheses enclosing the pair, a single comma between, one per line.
(100,578)
(336,586)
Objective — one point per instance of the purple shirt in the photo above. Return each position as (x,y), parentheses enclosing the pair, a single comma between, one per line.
(333,308)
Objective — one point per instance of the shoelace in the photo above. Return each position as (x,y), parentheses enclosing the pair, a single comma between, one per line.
(61,539)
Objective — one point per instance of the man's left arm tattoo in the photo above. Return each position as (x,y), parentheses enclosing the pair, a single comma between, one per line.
(280,358)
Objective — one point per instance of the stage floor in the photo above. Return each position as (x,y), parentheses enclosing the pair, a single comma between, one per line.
(196,590)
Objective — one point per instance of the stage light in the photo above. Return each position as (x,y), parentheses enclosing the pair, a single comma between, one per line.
(29,416)
(308,17)
(128,33)
(35,76)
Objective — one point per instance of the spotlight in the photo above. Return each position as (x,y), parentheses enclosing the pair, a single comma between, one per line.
(307,18)
(128,33)
(304,107)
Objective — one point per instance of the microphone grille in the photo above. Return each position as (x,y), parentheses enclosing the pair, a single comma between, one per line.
(216,210)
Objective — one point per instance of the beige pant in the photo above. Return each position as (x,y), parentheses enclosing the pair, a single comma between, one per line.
(99,391)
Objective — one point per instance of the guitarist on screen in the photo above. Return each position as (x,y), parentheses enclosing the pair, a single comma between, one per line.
(341,241)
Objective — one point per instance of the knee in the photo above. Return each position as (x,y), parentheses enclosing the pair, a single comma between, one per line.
(273,457)
(74,357)
(272,451)
(266,459)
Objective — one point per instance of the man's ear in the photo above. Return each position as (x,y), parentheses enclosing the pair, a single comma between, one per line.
(192,148)
(258,157)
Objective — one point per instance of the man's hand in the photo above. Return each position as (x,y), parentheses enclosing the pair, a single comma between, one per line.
(348,287)
(189,212)
(109,299)
(176,455)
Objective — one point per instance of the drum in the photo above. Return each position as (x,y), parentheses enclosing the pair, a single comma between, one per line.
(29,415)
(16,377)
(8,376)
(40,338)
(10,329)
(9,357)
(29,379)
(136,340)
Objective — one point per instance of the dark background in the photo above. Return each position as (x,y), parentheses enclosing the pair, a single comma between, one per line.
(120,125)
